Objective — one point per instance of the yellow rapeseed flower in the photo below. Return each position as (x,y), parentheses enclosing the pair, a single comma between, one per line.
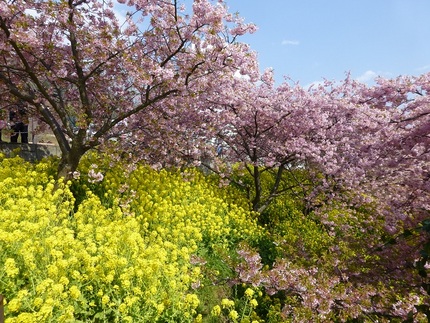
(37,302)
(123,308)
(64,281)
(233,315)
(11,268)
(14,305)
(216,310)
(249,293)
(105,299)
(192,300)
(25,318)
(74,292)
(160,308)
(227,303)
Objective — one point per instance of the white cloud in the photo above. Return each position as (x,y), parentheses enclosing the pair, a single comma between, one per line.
(367,76)
(290,42)
(423,68)
(313,85)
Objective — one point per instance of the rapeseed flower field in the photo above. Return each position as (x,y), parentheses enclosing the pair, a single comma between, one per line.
(127,247)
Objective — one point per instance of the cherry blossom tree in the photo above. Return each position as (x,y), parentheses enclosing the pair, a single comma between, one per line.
(86,70)
(373,141)
(262,128)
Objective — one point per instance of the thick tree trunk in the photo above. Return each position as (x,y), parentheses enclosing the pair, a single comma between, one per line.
(70,161)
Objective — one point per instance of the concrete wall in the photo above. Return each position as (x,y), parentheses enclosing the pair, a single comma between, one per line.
(30,152)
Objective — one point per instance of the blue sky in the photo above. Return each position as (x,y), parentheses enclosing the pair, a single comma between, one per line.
(308,40)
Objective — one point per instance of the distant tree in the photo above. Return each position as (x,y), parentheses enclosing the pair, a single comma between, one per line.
(85,71)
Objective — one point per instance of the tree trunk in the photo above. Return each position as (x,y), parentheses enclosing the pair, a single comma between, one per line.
(70,161)
(258,190)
